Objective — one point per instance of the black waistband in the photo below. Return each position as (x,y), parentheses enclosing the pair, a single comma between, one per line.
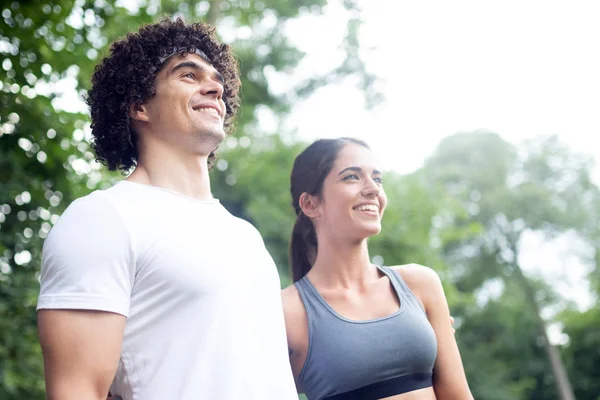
(389,387)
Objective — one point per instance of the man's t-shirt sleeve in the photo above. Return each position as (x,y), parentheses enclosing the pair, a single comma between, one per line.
(87,260)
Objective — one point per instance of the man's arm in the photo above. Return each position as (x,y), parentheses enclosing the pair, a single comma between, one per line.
(81,352)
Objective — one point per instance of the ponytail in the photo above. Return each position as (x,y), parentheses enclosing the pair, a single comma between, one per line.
(303,247)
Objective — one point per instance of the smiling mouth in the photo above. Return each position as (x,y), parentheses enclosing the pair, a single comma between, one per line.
(208,110)
(368,207)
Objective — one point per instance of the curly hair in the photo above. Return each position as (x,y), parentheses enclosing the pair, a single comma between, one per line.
(126,77)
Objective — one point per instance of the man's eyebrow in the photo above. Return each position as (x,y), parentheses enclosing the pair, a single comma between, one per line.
(191,64)
(358,169)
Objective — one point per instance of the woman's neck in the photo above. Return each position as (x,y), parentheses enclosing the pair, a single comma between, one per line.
(342,265)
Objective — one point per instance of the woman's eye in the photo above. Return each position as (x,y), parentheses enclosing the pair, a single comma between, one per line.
(378,180)
(351,177)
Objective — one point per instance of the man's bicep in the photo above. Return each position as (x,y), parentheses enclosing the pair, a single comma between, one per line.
(81,351)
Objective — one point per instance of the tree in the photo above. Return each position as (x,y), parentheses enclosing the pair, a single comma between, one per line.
(500,349)
(581,353)
(543,188)
(37,172)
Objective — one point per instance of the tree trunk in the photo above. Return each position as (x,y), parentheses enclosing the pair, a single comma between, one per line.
(561,379)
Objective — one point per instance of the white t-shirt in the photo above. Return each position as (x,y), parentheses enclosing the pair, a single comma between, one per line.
(197,285)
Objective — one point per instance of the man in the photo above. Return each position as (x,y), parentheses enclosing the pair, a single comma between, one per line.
(151,288)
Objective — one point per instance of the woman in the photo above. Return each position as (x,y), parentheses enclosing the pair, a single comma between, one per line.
(356,330)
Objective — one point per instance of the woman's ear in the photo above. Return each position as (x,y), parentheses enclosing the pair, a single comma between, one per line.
(309,205)
(138,112)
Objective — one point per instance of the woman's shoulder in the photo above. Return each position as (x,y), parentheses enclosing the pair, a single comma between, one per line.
(417,274)
(293,308)
(296,320)
(423,281)
(290,295)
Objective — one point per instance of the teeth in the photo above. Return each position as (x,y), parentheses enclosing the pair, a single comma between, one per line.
(209,110)
(368,207)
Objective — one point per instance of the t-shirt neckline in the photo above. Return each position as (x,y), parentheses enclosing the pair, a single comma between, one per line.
(167,191)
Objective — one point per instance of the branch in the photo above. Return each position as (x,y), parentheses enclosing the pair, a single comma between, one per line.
(214,11)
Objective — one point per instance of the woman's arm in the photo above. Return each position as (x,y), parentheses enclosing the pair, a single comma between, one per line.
(296,326)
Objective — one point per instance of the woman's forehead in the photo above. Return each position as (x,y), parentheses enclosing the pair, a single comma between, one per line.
(354,155)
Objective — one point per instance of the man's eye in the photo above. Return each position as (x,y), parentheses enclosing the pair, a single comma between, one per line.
(378,180)
(188,75)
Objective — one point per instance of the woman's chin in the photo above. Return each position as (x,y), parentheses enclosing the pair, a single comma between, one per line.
(368,231)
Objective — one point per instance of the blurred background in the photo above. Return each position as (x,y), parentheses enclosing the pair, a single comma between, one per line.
(484,116)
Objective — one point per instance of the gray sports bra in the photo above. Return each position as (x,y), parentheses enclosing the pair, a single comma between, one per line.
(365,360)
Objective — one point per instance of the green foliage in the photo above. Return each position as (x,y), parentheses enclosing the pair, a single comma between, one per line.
(502,351)
(38,152)
(581,353)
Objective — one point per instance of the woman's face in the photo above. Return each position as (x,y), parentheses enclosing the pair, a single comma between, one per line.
(353,200)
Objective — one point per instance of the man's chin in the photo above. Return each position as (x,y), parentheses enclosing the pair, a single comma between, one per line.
(216,135)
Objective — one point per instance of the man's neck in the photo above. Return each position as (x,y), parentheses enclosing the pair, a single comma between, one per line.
(184,174)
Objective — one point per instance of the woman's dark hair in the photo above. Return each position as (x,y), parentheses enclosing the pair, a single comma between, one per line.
(126,77)
(310,169)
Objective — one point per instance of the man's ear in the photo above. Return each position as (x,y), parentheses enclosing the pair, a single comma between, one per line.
(138,112)
(310,205)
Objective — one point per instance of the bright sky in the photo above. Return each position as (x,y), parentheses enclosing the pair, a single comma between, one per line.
(517,68)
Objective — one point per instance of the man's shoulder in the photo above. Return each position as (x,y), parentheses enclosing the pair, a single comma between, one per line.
(243,226)
(94,202)
(94,213)
(120,199)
